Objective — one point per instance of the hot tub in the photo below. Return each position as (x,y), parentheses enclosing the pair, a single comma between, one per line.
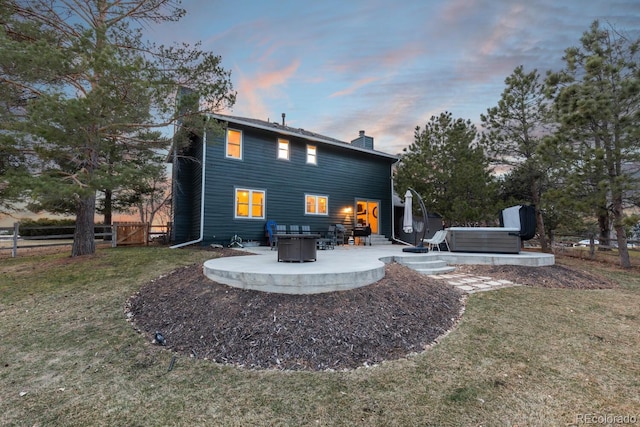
(502,240)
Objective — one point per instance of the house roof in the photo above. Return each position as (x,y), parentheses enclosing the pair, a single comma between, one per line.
(298,132)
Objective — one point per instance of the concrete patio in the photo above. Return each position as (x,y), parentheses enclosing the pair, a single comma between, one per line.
(345,267)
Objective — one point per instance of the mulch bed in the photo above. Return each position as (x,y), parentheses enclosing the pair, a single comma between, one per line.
(552,276)
(403,313)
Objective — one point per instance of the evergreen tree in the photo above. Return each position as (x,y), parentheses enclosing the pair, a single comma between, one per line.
(597,103)
(14,158)
(146,192)
(127,185)
(13,172)
(94,85)
(448,168)
(513,133)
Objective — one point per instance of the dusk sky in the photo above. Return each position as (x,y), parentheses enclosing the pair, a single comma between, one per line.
(337,67)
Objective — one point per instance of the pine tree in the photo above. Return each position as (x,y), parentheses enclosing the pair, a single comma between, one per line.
(513,132)
(448,168)
(597,103)
(91,80)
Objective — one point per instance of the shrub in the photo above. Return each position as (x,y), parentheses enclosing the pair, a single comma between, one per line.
(51,227)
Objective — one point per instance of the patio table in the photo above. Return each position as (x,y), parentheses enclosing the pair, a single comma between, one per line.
(297,247)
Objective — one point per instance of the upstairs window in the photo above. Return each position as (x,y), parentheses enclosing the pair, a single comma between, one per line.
(283,149)
(234,144)
(316,205)
(312,155)
(249,203)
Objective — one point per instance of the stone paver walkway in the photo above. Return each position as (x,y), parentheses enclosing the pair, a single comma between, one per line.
(471,284)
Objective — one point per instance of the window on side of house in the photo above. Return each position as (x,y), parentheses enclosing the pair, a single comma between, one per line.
(234,144)
(283,149)
(312,155)
(249,203)
(316,205)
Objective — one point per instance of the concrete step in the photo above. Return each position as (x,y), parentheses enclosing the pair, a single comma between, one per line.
(377,239)
(421,263)
(375,242)
(436,270)
(425,266)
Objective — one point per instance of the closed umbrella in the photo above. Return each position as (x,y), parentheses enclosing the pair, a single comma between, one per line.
(407,221)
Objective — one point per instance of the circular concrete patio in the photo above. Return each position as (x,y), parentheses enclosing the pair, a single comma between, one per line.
(346,267)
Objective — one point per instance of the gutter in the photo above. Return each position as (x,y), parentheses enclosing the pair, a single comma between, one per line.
(204,166)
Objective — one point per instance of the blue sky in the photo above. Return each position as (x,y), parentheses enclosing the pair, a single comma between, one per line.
(337,67)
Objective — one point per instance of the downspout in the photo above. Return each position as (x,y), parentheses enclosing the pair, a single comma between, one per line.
(393,216)
(204,163)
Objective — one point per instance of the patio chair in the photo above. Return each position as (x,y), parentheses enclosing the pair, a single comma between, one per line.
(340,232)
(281,229)
(294,229)
(306,229)
(330,239)
(437,239)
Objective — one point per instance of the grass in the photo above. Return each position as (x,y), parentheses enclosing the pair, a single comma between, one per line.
(520,356)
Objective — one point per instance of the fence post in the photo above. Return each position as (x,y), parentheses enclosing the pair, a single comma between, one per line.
(14,249)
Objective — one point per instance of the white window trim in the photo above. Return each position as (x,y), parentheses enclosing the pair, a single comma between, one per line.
(226,144)
(250,191)
(315,156)
(316,196)
(282,141)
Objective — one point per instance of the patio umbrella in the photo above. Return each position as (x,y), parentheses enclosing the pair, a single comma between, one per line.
(407,221)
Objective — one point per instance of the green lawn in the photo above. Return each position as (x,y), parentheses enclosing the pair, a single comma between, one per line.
(520,356)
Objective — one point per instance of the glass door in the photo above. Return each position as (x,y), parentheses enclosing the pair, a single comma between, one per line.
(367,214)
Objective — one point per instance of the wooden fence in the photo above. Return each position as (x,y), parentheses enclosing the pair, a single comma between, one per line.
(130,234)
(51,236)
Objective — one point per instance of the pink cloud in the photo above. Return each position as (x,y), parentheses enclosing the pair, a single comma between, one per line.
(391,58)
(276,77)
(503,30)
(455,11)
(354,87)
(400,57)
(253,89)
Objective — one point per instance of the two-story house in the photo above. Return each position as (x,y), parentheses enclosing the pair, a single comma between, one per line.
(259,171)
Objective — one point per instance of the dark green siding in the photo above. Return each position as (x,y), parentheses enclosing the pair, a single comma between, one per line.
(187,185)
(342,174)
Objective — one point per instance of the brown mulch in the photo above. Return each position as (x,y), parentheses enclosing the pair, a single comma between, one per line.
(401,314)
(552,276)
(398,315)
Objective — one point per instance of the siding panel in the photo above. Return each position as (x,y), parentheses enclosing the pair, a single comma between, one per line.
(187,184)
(341,174)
